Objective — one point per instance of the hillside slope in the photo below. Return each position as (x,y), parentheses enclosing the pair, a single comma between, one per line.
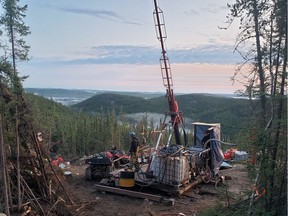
(109,101)
(199,105)
(233,114)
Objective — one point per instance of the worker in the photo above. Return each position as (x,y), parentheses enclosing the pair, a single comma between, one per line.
(133,150)
(113,150)
(205,139)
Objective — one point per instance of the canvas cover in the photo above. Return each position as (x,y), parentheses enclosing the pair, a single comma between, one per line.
(199,128)
(217,155)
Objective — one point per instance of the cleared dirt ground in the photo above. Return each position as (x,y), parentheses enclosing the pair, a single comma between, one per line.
(89,201)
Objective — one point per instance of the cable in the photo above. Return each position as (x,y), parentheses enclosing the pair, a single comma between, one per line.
(213,139)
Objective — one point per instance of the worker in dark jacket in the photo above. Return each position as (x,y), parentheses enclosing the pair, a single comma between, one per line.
(133,150)
(134,143)
(205,139)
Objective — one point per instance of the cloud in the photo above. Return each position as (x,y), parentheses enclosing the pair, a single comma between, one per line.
(125,54)
(103,14)
(211,54)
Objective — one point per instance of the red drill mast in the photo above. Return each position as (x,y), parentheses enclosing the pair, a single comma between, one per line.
(166,72)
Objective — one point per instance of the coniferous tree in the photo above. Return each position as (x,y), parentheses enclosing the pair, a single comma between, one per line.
(263,26)
(16,30)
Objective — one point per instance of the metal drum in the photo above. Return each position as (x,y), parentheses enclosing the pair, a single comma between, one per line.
(127,179)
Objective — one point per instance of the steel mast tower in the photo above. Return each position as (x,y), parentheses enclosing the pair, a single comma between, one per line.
(166,72)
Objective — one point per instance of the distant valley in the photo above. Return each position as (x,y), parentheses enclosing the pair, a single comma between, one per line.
(233,114)
(69,97)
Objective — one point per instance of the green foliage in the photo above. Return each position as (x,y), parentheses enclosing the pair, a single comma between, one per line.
(103,124)
(263,24)
(79,133)
(233,114)
(108,101)
(12,20)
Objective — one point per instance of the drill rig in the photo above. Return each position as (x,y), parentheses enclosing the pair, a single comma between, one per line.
(176,168)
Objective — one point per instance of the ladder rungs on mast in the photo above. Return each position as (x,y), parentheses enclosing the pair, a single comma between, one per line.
(161,25)
(166,72)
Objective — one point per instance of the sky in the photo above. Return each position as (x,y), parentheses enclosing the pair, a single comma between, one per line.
(112,45)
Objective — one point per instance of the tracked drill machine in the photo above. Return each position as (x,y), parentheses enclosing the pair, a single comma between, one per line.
(175,167)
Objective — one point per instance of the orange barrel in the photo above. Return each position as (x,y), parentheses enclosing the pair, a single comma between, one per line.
(127,179)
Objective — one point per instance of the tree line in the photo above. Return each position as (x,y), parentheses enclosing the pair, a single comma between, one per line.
(82,133)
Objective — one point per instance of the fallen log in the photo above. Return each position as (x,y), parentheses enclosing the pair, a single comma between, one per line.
(131,193)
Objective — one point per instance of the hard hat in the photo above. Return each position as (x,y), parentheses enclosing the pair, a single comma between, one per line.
(132,134)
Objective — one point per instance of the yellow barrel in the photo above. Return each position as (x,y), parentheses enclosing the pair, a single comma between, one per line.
(127,179)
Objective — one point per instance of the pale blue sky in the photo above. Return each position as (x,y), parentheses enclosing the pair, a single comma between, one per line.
(112,45)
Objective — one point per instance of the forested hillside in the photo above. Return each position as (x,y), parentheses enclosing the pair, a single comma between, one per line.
(93,125)
(233,114)
(78,133)
(195,106)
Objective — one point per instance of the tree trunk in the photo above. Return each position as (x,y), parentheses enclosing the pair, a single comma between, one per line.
(280,110)
(259,65)
(3,170)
